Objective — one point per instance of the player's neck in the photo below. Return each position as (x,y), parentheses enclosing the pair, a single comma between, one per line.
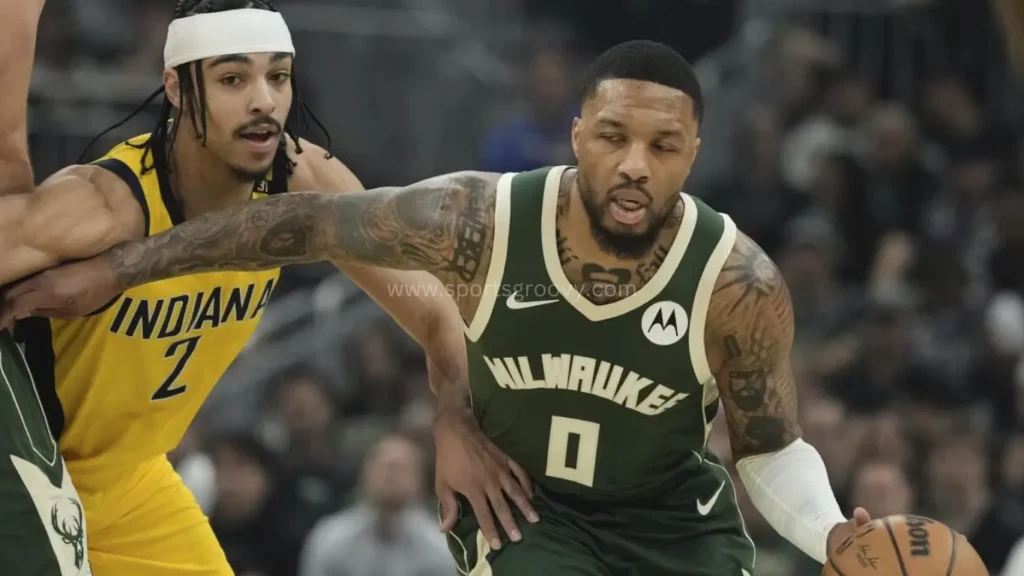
(202,182)
(576,235)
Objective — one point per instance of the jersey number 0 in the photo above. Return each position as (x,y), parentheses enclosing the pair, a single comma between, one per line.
(572,450)
(182,350)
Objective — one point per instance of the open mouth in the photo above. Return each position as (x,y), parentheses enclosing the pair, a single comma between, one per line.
(628,207)
(260,136)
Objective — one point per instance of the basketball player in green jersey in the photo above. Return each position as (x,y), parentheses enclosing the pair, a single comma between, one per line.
(43,528)
(608,315)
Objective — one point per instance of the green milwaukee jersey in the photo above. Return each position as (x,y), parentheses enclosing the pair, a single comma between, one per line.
(44,529)
(609,402)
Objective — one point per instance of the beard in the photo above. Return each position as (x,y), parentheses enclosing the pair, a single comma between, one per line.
(250,174)
(626,245)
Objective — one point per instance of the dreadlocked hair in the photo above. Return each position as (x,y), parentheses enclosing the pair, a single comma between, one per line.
(192,94)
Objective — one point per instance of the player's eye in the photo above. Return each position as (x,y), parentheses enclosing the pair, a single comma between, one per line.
(612,137)
(231,80)
(280,77)
(664,147)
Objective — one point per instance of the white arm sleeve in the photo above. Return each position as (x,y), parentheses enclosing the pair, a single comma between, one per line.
(790,488)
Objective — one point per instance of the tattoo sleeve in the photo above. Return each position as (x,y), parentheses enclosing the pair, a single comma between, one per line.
(443,225)
(751,334)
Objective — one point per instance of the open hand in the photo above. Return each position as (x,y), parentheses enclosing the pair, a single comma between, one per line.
(468,463)
(68,291)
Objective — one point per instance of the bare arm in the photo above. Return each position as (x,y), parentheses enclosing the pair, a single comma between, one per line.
(76,213)
(18,29)
(750,338)
(442,225)
(416,300)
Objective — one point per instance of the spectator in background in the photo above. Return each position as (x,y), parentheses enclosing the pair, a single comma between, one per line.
(885,362)
(823,308)
(308,438)
(757,197)
(961,496)
(257,518)
(196,468)
(537,137)
(882,488)
(388,533)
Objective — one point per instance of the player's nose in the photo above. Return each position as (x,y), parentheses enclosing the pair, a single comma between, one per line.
(635,164)
(262,99)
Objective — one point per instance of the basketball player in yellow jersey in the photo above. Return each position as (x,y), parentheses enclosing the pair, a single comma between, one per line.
(122,385)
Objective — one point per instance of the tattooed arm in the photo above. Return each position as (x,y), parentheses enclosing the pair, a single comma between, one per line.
(750,337)
(442,225)
(749,340)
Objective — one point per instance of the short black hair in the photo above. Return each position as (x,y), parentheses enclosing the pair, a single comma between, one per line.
(647,61)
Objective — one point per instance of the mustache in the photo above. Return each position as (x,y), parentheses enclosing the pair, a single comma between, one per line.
(258,123)
(631,185)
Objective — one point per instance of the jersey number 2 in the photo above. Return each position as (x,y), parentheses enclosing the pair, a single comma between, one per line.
(572,450)
(183,350)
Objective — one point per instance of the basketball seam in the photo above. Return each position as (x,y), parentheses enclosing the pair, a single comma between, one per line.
(952,553)
(895,546)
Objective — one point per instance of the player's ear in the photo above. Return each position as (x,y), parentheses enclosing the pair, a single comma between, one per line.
(576,127)
(696,148)
(172,87)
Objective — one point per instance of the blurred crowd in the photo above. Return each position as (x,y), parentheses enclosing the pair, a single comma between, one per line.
(898,222)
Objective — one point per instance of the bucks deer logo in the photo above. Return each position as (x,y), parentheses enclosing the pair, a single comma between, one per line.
(71,529)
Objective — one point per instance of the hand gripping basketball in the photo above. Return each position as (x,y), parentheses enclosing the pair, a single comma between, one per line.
(904,546)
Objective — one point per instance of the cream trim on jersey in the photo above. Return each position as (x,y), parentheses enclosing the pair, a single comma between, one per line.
(702,301)
(594,312)
(499,252)
(483,567)
(52,458)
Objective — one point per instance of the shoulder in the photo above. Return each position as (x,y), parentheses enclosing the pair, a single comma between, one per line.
(316,169)
(749,287)
(92,180)
(131,153)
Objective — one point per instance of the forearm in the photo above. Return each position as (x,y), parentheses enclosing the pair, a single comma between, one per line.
(420,304)
(18,30)
(435,225)
(15,168)
(18,258)
(791,489)
(447,368)
(294,228)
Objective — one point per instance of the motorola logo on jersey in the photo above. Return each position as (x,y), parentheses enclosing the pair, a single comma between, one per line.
(665,323)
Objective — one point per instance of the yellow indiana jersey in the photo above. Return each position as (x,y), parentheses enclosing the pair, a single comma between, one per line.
(130,378)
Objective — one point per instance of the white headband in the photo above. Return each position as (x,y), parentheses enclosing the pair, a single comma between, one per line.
(242,31)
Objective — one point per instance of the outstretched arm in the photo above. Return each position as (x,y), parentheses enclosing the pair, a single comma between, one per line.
(749,340)
(434,225)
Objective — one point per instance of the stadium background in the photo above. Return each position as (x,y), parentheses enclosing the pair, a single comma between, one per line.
(871,146)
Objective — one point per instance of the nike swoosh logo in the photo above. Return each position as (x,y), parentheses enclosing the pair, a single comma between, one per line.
(703,508)
(514,304)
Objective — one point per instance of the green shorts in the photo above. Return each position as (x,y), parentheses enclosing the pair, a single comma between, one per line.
(43,532)
(581,539)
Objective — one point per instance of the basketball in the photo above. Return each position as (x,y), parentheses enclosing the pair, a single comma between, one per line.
(905,546)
